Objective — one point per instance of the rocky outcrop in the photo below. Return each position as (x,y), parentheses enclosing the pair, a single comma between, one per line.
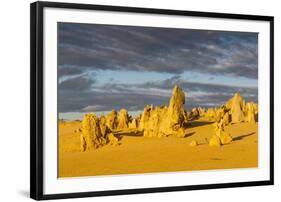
(153,124)
(92,137)
(176,111)
(174,117)
(165,121)
(144,118)
(251,112)
(133,124)
(103,127)
(235,110)
(210,114)
(112,139)
(194,114)
(226,118)
(236,105)
(215,141)
(123,119)
(111,120)
(221,137)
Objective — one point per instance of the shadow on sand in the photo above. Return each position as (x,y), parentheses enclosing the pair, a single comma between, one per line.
(189,134)
(199,123)
(120,134)
(241,137)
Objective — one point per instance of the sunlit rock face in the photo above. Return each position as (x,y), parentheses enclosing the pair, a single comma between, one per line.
(176,108)
(251,112)
(171,120)
(111,120)
(144,118)
(103,127)
(225,137)
(92,136)
(235,110)
(123,119)
(236,105)
(211,114)
(165,121)
(133,124)
(226,118)
(174,120)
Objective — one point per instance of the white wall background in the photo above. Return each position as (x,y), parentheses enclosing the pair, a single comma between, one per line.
(14,100)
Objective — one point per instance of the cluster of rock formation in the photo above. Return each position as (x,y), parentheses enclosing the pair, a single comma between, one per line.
(221,137)
(153,122)
(95,132)
(235,110)
(166,120)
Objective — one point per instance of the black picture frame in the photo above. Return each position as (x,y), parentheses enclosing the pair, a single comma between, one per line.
(37,99)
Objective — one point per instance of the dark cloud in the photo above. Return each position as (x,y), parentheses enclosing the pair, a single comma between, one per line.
(87,48)
(74,101)
(67,71)
(91,46)
(199,87)
(76,84)
(137,96)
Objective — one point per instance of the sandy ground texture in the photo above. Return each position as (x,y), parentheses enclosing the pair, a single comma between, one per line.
(137,154)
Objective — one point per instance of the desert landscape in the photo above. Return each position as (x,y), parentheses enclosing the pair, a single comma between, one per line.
(161,139)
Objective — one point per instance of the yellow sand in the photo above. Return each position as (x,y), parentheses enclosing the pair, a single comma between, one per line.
(138,154)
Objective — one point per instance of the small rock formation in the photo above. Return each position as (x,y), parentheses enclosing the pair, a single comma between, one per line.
(92,136)
(235,110)
(165,121)
(112,139)
(111,120)
(193,143)
(176,111)
(220,113)
(123,119)
(251,112)
(174,117)
(133,124)
(144,118)
(226,119)
(83,145)
(211,114)
(154,120)
(215,141)
(225,137)
(237,107)
(201,111)
(194,114)
(103,127)
(220,132)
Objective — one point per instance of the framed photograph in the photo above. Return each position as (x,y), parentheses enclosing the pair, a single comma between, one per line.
(131,100)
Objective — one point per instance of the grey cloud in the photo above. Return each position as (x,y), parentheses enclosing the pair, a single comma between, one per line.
(137,96)
(82,101)
(76,84)
(199,87)
(84,48)
(93,108)
(67,71)
(157,49)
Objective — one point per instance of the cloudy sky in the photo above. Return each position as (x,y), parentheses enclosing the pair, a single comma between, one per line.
(101,67)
